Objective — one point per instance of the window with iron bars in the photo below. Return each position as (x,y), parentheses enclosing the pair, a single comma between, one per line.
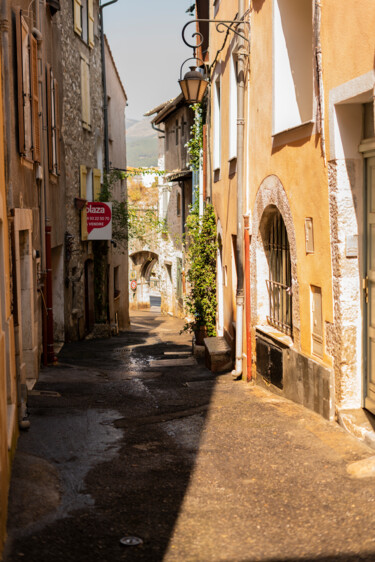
(279,284)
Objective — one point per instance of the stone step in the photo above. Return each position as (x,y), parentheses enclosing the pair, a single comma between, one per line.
(218,354)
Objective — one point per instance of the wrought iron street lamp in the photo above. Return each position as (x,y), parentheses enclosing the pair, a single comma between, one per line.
(194,83)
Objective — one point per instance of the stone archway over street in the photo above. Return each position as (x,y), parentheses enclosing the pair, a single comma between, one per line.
(142,267)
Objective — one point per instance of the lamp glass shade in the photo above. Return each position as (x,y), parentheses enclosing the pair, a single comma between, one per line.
(193,86)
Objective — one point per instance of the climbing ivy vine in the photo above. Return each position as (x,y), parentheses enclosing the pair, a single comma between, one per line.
(195,144)
(130,221)
(201,300)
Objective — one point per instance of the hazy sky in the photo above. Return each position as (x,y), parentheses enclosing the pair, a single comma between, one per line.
(145,39)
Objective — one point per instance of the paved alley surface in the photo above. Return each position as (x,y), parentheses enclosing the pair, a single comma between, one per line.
(130,436)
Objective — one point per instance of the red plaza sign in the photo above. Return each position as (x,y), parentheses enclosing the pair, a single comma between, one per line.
(99,221)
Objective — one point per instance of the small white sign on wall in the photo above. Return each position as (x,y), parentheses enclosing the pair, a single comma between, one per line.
(351,246)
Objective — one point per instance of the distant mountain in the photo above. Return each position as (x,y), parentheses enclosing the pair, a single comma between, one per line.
(142,143)
(130,122)
(140,129)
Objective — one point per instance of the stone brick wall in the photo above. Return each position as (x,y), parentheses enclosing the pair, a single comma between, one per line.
(347,329)
(79,147)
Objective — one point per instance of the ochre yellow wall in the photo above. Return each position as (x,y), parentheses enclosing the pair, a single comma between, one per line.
(347,31)
(225,190)
(300,167)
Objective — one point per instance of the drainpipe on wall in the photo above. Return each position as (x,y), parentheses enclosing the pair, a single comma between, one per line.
(248,296)
(46,229)
(51,358)
(208,194)
(156,128)
(200,185)
(237,372)
(105,101)
(319,69)
(36,31)
(6,91)
(108,256)
(42,175)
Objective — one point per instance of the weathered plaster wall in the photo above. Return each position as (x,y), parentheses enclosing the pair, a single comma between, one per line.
(347,343)
(349,79)
(298,164)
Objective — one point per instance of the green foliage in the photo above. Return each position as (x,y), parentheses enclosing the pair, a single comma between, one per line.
(195,144)
(129,221)
(201,301)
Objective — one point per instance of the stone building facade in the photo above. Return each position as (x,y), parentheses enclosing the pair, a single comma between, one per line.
(175,195)
(32,220)
(51,161)
(300,159)
(82,157)
(118,293)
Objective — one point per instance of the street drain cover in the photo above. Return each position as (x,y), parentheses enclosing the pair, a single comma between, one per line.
(50,393)
(131,541)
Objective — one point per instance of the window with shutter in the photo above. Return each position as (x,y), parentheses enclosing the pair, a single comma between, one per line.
(77,16)
(53,120)
(97,183)
(35,99)
(49,116)
(217,124)
(83,193)
(89,185)
(25,132)
(233,108)
(84,20)
(57,127)
(293,63)
(21,117)
(53,123)
(91,23)
(85,92)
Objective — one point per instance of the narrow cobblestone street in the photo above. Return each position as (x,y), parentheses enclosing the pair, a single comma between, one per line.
(131,436)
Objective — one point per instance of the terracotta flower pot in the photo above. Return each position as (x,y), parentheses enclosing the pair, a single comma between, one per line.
(200,334)
(79,203)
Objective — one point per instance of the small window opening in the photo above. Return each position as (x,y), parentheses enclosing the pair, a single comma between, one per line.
(279,284)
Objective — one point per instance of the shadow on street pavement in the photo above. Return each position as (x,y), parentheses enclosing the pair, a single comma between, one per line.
(132,437)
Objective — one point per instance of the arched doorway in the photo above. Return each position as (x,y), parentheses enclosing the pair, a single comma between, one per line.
(274,261)
(147,290)
(279,278)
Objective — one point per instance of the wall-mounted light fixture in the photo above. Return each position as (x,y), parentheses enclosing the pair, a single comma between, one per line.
(194,83)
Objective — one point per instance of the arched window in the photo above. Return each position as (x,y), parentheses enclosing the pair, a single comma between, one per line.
(279,283)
